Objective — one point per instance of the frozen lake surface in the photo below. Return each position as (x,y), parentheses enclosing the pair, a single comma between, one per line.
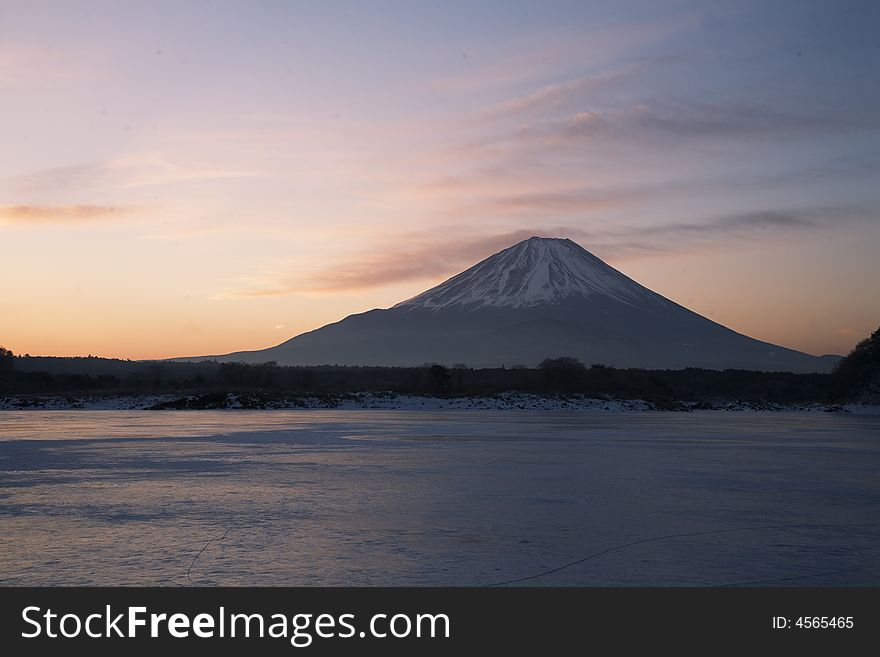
(438,497)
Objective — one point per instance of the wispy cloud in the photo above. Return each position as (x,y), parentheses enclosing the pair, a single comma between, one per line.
(126,172)
(427,257)
(556,95)
(752,220)
(504,190)
(58,214)
(737,120)
(676,122)
(721,232)
(411,257)
(557,202)
(530,59)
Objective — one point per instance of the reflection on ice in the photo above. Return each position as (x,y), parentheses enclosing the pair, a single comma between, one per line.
(410,498)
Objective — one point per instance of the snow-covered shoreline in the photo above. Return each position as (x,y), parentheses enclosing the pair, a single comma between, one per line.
(507,401)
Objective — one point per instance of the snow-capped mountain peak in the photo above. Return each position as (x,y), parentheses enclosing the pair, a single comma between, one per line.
(539,299)
(535,271)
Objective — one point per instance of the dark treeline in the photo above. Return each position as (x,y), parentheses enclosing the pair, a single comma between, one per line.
(857,377)
(19,376)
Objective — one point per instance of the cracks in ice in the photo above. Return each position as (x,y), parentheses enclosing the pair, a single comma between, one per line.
(779,580)
(215,539)
(653,539)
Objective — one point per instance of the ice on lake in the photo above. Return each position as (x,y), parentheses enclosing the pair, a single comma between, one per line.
(438,498)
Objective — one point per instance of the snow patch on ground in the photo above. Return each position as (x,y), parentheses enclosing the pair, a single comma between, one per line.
(506,401)
(503,401)
(96,403)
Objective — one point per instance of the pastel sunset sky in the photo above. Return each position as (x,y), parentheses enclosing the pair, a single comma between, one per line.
(195,177)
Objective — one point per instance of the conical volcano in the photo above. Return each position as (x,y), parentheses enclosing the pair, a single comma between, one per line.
(534,272)
(541,298)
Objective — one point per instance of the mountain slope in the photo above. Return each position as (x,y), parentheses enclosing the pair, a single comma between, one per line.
(538,299)
(533,272)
